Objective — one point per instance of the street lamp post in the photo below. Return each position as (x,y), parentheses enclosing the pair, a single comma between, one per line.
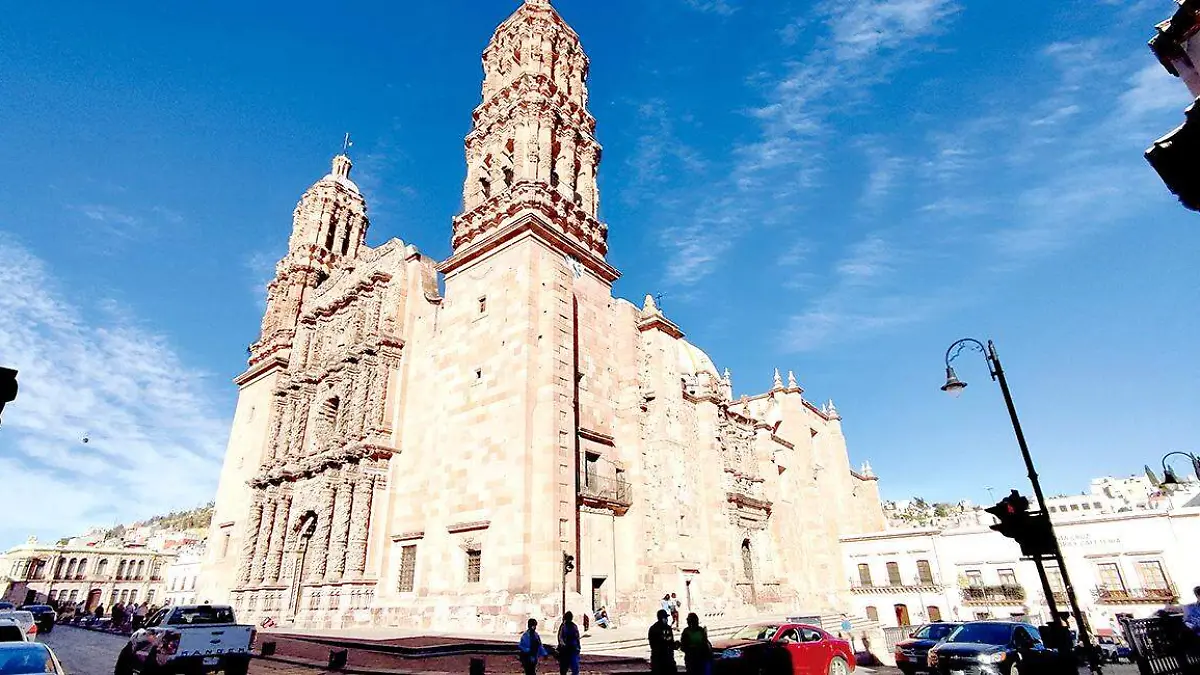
(955,387)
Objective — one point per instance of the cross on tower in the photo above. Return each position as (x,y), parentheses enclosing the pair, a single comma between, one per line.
(346,143)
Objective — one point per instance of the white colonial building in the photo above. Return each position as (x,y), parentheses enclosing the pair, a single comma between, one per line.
(1131,563)
(181,577)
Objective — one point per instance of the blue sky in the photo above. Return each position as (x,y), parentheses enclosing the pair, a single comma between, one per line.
(840,189)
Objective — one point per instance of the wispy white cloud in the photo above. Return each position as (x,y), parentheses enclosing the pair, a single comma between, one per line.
(661,156)
(154,438)
(109,215)
(724,7)
(770,177)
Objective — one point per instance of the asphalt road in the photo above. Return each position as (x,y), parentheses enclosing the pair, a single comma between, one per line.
(85,652)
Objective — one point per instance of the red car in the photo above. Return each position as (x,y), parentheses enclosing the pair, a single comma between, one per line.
(783,649)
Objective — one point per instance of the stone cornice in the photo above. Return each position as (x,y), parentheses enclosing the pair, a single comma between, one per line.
(597,437)
(659,322)
(743,501)
(409,536)
(349,296)
(530,89)
(471,526)
(580,234)
(529,224)
(304,467)
(261,368)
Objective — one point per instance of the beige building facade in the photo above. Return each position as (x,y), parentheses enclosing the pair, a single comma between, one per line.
(420,443)
(91,576)
(1128,564)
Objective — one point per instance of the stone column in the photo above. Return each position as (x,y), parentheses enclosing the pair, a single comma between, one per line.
(341,526)
(278,436)
(278,532)
(360,526)
(249,540)
(318,548)
(262,540)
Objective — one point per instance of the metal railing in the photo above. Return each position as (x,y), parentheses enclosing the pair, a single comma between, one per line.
(607,491)
(1161,595)
(983,595)
(896,585)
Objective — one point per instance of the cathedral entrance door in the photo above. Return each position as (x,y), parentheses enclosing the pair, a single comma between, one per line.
(308,525)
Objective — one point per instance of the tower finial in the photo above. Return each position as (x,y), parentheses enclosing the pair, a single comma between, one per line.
(346,143)
(778,381)
(792,380)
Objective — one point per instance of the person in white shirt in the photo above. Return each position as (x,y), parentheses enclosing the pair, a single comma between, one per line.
(1191,613)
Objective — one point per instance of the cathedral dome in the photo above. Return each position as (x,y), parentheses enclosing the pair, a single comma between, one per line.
(340,174)
(693,360)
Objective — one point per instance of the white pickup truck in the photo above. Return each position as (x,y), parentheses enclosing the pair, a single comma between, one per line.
(190,639)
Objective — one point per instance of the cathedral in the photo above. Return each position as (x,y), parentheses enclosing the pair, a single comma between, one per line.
(469,442)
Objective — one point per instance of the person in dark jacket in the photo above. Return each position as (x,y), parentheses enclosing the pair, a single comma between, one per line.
(568,645)
(697,650)
(662,645)
(531,648)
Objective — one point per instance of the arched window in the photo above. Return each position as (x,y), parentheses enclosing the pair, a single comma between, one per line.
(102,567)
(747,560)
(934,613)
(141,569)
(71,568)
(485,187)
(81,571)
(873,613)
(58,568)
(902,618)
(121,570)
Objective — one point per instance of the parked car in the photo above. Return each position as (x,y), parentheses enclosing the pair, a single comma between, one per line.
(189,639)
(44,616)
(912,655)
(28,658)
(992,648)
(1112,651)
(793,648)
(25,619)
(4,606)
(11,631)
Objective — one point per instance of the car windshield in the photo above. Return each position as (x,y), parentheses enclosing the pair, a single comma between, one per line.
(983,633)
(937,631)
(204,614)
(26,660)
(11,632)
(756,633)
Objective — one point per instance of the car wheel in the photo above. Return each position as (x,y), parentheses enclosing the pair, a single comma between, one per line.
(237,667)
(838,666)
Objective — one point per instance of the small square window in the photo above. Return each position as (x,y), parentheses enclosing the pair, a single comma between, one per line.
(474,560)
(478,374)
(483,305)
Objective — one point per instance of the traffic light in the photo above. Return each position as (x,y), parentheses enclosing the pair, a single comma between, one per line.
(568,564)
(8,386)
(1030,530)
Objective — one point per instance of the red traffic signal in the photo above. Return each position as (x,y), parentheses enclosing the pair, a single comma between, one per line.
(8,386)
(1030,530)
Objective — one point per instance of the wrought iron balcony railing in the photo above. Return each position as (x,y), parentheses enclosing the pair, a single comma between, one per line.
(606,493)
(1164,595)
(918,582)
(989,595)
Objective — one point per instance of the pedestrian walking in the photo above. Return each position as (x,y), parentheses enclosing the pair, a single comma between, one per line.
(531,648)
(662,645)
(675,606)
(139,616)
(118,616)
(697,650)
(568,646)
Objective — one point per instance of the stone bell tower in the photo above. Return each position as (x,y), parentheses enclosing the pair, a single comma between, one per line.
(532,147)
(329,224)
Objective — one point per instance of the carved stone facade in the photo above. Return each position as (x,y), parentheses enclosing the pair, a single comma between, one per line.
(406,456)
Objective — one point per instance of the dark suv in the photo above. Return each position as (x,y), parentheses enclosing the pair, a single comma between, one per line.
(44,616)
(912,654)
(992,648)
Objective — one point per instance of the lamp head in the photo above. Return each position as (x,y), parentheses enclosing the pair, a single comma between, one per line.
(1169,477)
(953,386)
